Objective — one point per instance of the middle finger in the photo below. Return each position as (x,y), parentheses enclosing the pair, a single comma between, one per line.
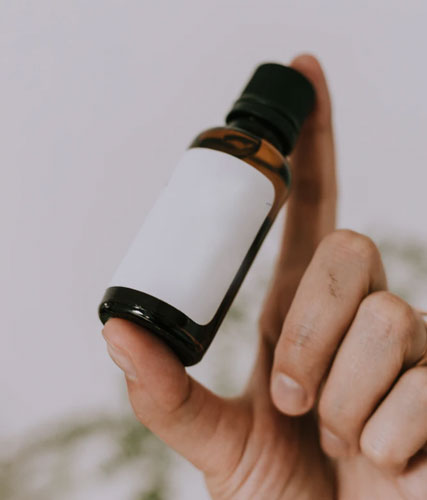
(345,268)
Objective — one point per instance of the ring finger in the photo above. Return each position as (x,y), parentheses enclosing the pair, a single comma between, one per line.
(385,336)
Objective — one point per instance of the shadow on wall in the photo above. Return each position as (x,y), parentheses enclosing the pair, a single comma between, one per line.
(88,453)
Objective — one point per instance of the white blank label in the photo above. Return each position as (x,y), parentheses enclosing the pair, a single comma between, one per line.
(196,235)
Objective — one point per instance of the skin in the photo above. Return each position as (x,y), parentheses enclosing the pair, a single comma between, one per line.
(336,404)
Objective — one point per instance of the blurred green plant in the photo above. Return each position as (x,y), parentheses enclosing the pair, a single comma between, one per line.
(66,458)
(45,467)
(406,265)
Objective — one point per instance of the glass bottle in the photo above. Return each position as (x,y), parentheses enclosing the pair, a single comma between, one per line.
(198,241)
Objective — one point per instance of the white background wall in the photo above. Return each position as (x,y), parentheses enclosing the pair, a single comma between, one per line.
(97,102)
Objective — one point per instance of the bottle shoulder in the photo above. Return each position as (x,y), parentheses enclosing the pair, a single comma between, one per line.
(250,148)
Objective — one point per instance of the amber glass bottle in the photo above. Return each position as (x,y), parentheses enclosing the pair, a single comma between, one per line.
(200,238)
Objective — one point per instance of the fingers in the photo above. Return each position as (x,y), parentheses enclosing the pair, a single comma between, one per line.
(385,336)
(346,267)
(398,429)
(412,482)
(311,207)
(205,429)
(342,294)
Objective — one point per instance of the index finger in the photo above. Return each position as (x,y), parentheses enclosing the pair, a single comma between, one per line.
(311,208)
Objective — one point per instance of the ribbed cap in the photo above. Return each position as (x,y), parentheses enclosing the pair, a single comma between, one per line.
(279,95)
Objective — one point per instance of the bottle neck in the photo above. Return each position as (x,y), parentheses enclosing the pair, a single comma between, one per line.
(262,129)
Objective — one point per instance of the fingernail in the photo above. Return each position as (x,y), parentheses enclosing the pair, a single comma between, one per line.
(122,360)
(289,394)
(332,444)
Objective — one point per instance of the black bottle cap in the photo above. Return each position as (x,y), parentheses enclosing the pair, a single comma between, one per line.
(278,95)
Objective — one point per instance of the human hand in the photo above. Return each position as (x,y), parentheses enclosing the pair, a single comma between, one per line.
(338,355)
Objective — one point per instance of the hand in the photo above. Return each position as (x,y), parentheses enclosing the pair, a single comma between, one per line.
(336,405)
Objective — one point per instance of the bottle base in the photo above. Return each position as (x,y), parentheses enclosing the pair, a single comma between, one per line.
(117,303)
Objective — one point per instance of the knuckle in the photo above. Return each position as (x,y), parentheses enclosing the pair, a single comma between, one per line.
(171,400)
(377,450)
(394,313)
(140,412)
(350,242)
(326,413)
(416,384)
(298,338)
(333,415)
(297,354)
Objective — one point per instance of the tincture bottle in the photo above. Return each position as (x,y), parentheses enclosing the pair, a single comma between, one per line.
(198,241)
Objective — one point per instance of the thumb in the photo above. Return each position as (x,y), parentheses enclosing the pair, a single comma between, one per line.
(207,430)
(311,208)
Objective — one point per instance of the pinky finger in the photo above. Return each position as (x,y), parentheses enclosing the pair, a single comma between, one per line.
(397,430)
